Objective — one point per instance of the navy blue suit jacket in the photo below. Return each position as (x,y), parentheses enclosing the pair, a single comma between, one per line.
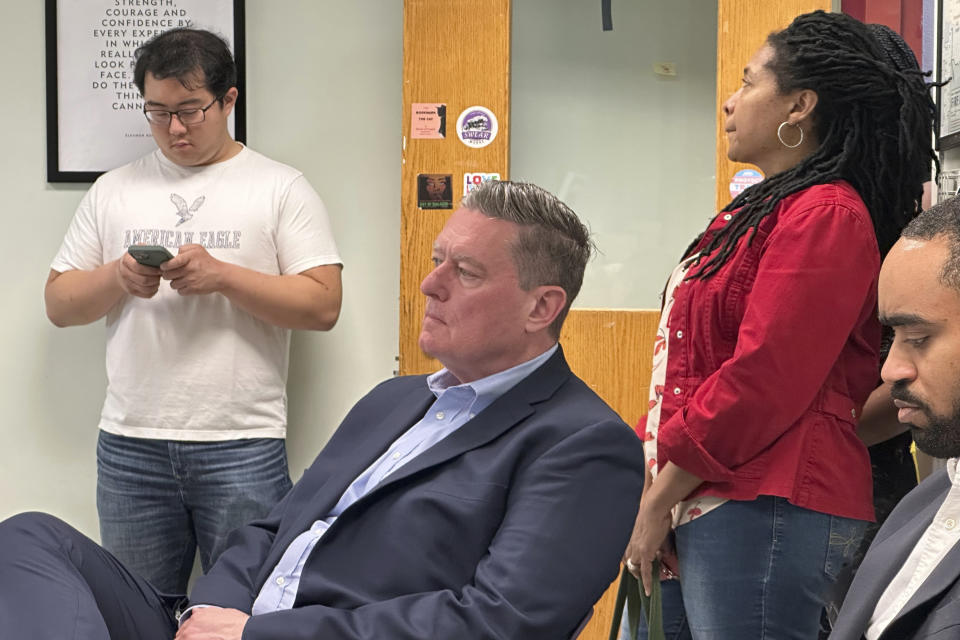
(511,527)
(934,610)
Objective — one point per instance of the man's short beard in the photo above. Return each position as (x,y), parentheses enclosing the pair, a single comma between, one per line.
(941,437)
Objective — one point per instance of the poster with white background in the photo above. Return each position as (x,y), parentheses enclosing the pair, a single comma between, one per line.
(949,94)
(99,109)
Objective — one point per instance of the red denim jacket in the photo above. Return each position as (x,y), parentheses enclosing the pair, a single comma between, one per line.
(772,358)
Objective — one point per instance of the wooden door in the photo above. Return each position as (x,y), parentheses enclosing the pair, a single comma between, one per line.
(457,53)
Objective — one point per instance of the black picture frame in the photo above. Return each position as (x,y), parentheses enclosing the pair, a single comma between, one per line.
(948,70)
(118,153)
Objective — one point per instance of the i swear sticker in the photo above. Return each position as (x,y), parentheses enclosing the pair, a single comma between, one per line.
(477,127)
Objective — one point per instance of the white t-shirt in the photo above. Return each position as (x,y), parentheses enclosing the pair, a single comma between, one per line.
(197,367)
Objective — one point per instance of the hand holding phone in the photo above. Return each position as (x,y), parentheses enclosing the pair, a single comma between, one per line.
(149,255)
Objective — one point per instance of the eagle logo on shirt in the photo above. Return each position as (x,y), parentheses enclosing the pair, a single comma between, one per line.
(182,211)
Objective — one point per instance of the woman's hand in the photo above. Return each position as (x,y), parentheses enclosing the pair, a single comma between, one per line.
(649,534)
(652,526)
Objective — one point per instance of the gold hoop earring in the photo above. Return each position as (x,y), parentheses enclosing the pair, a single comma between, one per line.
(780,134)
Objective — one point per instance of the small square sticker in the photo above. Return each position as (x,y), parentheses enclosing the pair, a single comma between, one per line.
(435,191)
(428,120)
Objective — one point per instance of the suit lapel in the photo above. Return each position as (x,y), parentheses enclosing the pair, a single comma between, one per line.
(942,578)
(369,446)
(506,412)
(944,575)
(890,549)
(893,551)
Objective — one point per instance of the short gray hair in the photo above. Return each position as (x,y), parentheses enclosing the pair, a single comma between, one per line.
(553,245)
(941,220)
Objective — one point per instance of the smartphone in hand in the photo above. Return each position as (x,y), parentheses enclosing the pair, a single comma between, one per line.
(149,255)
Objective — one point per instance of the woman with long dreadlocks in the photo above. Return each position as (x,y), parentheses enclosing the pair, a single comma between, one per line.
(769,336)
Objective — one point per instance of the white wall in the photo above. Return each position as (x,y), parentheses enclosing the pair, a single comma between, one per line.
(324,95)
(630,151)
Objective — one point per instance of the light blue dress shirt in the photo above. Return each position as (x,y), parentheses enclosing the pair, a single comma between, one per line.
(454,406)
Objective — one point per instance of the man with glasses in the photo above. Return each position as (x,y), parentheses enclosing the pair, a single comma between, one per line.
(192,430)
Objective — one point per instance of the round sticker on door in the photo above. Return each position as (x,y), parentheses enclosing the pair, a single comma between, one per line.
(477,127)
(743,179)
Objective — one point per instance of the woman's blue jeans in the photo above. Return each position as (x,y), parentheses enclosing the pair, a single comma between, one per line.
(160,501)
(757,569)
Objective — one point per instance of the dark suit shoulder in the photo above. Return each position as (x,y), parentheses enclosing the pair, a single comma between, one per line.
(580,392)
(573,412)
(400,383)
(555,388)
(579,404)
(390,388)
(402,391)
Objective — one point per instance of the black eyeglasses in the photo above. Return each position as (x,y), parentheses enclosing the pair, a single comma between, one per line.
(162,118)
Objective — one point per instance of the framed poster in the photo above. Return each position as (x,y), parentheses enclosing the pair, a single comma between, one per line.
(948,65)
(95,116)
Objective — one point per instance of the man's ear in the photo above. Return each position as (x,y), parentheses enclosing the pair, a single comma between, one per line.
(804,102)
(229,100)
(549,301)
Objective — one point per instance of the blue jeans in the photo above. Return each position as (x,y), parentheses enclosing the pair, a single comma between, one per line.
(160,501)
(757,569)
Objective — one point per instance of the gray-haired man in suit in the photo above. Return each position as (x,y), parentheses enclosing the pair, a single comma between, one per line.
(492,499)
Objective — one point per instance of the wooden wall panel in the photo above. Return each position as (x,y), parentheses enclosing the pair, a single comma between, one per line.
(742,27)
(612,351)
(456,53)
